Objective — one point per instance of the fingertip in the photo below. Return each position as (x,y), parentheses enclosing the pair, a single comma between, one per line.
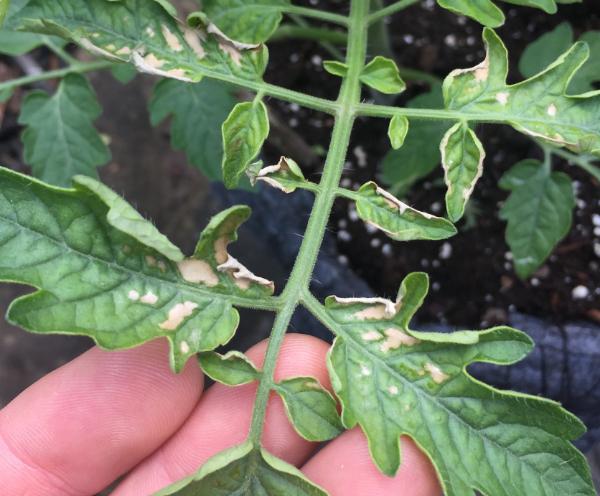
(345,467)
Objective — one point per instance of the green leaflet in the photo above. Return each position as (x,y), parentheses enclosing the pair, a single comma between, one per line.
(232,369)
(538,107)
(543,51)
(153,40)
(310,408)
(420,153)
(99,274)
(246,21)
(244,470)
(398,130)
(198,111)
(399,221)
(244,133)
(382,75)
(286,175)
(394,381)
(462,158)
(539,212)
(335,68)
(486,12)
(60,139)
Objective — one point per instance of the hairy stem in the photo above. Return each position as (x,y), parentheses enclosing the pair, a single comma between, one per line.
(391,9)
(79,68)
(573,159)
(300,278)
(312,33)
(317,14)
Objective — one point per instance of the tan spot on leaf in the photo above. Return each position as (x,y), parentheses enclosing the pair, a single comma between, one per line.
(393,390)
(198,272)
(221,254)
(151,261)
(436,373)
(371,336)
(552,110)
(96,50)
(184,347)
(194,40)
(133,295)
(365,371)
(177,315)
(396,338)
(171,39)
(123,51)
(502,97)
(149,298)
(377,308)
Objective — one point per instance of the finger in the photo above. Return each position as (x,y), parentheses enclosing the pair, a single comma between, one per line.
(82,426)
(345,467)
(222,419)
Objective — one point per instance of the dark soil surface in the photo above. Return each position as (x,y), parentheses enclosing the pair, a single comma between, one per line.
(472,277)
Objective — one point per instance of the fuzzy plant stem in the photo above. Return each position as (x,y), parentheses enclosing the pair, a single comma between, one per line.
(300,278)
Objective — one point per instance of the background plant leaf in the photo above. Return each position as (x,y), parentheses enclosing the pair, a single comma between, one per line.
(198,112)
(248,21)
(539,212)
(60,139)
(244,470)
(153,40)
(396,219)
(548,47)
(310,408)
(393,381)
(539,106)
(244,133)
(96,276)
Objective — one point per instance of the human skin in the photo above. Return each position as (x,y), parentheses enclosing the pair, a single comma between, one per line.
(106,415)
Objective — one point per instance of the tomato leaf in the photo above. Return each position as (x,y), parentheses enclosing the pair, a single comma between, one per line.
(232,369)
(198,112)
(399,221)
(462,158)
(310,408)
(246,21)
(394,381)
(538,106)
(103,271)
(244,470)
(539,212)
(153,40)
(244,133)
(60,139)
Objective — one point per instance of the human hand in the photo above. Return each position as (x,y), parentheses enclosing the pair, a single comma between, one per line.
(107,414)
